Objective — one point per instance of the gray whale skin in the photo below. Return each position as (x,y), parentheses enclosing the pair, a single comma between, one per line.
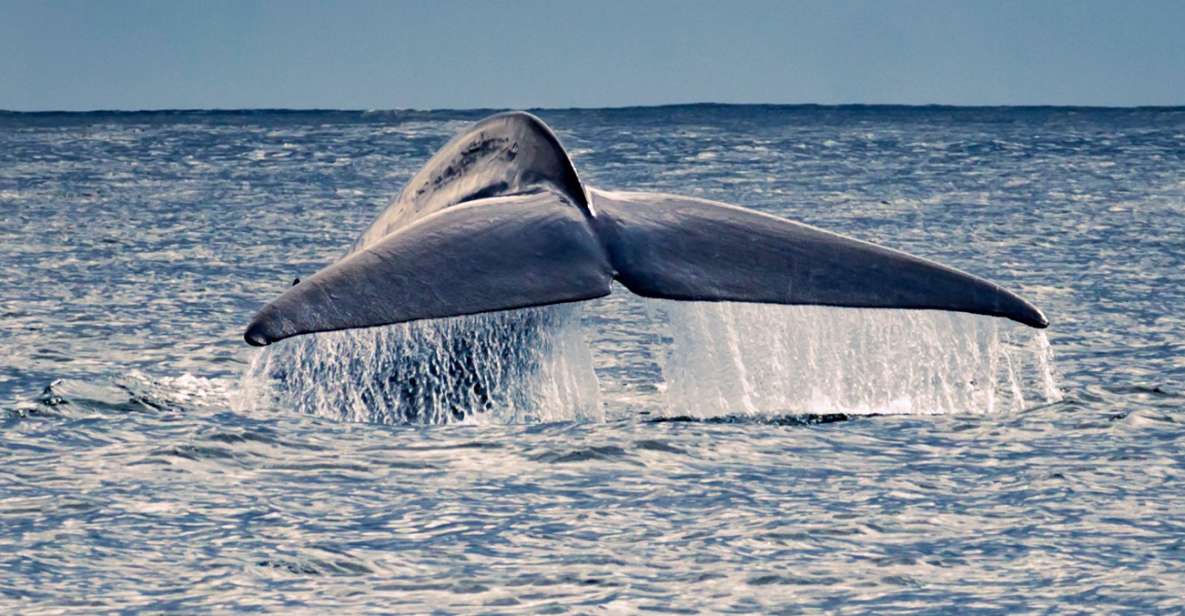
(498,219)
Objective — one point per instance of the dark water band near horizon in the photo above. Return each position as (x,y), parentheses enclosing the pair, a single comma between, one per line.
(665,457)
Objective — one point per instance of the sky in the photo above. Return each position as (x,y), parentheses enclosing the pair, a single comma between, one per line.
(431,54)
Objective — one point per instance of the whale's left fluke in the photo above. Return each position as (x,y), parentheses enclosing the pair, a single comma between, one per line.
(498,219)
(486,255)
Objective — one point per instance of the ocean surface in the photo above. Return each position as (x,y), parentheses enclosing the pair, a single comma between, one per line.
(638,455)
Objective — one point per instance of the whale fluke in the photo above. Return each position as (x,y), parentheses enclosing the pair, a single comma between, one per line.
(486,255)
(498,219)
(682,248)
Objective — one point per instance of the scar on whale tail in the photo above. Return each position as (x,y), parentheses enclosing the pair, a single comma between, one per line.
(499,219)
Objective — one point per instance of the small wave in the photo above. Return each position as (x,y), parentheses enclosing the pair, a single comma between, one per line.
(767,420)
(586,454)
(195,452)
(308,566)
(135,392)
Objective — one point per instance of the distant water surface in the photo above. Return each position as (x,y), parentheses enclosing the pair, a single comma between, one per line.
(671,457)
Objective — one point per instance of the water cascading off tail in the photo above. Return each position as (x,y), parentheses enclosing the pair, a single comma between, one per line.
(720,359)
(761,360)
(521,366)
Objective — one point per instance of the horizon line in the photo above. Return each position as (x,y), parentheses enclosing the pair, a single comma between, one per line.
(592,108)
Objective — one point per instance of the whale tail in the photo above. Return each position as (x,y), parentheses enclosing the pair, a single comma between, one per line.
(498,219)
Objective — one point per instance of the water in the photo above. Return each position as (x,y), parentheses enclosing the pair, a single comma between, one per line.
(151,462)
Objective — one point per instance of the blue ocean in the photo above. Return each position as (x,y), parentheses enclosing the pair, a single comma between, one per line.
(656,456)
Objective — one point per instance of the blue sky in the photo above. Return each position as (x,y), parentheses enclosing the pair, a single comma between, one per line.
(447,54)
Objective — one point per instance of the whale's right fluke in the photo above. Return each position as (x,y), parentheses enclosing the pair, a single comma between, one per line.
(683,248)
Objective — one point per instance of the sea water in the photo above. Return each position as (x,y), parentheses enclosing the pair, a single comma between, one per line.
(619,454)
